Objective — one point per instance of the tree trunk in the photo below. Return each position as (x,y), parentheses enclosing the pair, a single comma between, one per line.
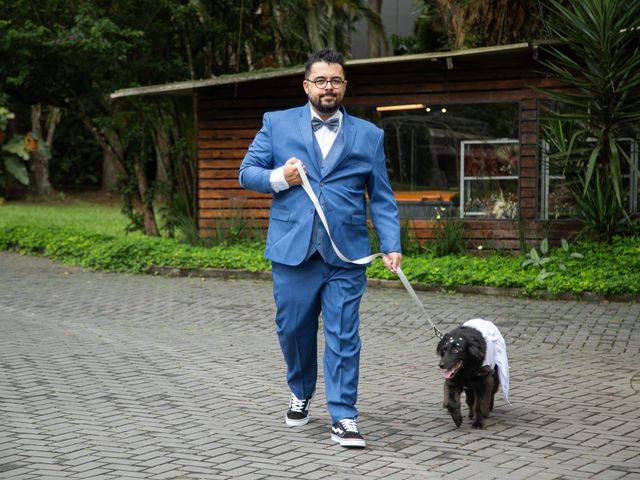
(498,22)
(112,161)
(162,147)
(331,20)
(113,150)
(109,181)
(189,53)
(208,59)
(142,204)
(373,40)
(315,40)
(248,53)
(40,184)
(277,37)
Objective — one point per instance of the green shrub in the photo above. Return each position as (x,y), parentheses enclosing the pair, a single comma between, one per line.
(134,254)
(449,231)
(604,268)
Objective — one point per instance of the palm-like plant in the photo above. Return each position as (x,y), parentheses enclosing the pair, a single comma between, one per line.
(13,154)
(320,24)
(599,60)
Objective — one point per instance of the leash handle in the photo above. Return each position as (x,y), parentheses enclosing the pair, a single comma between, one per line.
(361,261)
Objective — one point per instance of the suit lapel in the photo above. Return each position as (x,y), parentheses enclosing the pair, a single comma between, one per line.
(349,137)
(304,123)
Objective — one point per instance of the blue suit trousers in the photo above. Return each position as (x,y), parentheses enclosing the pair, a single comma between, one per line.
(301,293)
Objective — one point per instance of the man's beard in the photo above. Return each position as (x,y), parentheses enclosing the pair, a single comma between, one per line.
(326,108)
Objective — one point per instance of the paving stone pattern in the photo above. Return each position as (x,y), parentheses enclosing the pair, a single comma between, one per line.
(114,376)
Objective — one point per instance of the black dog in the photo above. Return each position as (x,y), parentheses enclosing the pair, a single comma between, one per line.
(462,352)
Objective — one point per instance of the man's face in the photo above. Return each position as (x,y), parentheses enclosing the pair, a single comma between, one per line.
(325,100)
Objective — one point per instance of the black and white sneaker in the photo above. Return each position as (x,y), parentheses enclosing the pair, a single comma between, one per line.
(346,433)
(298,413)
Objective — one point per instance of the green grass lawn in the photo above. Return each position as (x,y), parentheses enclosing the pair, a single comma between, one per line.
(91,217)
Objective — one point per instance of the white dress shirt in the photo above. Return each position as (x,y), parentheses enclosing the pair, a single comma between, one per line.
(325,138)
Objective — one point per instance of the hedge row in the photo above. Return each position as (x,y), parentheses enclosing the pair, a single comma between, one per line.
(604,269)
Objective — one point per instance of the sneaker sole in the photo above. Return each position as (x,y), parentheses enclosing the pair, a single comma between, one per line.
(296,423)
(349,442)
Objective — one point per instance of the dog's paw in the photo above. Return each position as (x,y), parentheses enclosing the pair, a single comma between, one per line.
(478,424)
(457,418)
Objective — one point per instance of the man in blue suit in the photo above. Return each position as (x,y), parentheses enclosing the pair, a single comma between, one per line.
(344,160)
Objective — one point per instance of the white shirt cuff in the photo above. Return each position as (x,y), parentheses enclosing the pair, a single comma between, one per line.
(277,181)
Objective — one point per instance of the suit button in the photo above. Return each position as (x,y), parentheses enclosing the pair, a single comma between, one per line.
(311,210)
(322,184)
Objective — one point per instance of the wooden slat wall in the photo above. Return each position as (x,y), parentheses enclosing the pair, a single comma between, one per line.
(482,236)
(231,115)
(229,119)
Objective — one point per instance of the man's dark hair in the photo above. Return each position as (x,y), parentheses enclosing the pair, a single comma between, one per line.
(327,55)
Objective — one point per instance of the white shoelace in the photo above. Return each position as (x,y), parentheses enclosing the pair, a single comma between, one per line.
(349,425)
(297,405)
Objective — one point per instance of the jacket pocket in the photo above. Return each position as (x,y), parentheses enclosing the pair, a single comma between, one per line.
(280,214)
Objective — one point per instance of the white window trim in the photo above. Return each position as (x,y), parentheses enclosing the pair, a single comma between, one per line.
(545,177)
(463,178)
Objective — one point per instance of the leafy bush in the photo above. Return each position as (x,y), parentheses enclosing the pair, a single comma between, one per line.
(599,210)
(602,69)
(133,254)
(13,153)
(605,269)
(541,259)
(449,231)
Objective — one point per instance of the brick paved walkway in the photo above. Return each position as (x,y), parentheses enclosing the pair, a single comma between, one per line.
(109,376)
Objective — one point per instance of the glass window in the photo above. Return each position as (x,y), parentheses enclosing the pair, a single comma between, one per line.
(556,200)
(489,180)
(425,148)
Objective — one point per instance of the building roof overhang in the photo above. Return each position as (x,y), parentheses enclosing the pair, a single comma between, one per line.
(191,86)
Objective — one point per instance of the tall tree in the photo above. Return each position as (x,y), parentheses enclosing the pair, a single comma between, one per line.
(373,40)
(44,121)
(598,61)
(71,55)
(314,24)
(25,50)
(487,22)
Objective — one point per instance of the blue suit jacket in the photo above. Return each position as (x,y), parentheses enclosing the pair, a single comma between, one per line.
(359,168)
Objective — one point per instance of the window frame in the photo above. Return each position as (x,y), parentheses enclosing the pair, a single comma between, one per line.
(464,178)
(632,176)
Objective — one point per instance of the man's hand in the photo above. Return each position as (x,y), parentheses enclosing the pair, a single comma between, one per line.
(291,174)
(392,261)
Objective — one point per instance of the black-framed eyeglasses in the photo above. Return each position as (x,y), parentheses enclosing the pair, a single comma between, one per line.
(336,82)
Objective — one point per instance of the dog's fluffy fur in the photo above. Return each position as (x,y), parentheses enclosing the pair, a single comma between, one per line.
(462,354)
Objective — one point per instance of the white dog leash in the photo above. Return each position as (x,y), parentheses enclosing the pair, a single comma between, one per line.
(361,261)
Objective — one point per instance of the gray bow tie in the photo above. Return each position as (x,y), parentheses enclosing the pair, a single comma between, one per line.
(332,124)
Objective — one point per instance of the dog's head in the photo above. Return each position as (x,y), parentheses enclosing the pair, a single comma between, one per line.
(461,349)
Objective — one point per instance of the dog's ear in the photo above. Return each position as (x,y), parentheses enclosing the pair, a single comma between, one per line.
(441,344)
(477,346)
